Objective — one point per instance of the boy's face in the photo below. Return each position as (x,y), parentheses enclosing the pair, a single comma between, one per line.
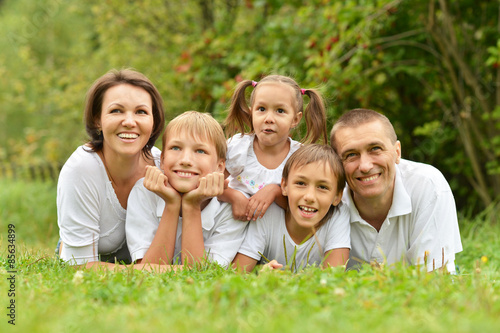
(187,158)
(311,190)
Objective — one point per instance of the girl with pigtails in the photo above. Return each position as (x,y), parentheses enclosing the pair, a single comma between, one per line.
(259,140)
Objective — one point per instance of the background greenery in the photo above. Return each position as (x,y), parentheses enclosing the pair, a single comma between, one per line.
(431,66)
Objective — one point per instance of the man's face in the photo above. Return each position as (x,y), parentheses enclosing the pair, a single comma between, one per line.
(369,158)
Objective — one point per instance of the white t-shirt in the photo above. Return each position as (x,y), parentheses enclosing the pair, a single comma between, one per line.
(247,175)
(90,218)
(266,236)
(222,234)
(422,218)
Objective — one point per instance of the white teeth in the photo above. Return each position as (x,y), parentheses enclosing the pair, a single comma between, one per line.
(185,174)
(128,135)
(369,178)
(307,209)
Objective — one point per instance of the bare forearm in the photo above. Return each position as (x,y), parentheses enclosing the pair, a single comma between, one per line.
(229,195)
(99,265)
(193,246)
(161,250)
(336,257)
(243,263)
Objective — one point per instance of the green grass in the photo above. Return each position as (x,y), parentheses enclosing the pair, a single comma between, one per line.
(54,297)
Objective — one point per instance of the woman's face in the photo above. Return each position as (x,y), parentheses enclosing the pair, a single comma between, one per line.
(126,120)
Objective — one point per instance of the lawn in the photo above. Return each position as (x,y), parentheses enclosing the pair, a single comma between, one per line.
(53,297)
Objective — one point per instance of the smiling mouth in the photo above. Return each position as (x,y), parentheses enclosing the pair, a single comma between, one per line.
(368,179)
(185,174)
(128,136)
(308,211)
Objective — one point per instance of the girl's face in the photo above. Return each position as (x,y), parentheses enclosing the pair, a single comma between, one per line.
(311,191)
(274,113)
(126,119)
(187,158)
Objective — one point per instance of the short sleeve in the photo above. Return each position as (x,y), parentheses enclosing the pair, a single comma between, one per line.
(435,236)
(237,152)
(142,219)
(79,191)
(224,242)
(256,237)
(339,229)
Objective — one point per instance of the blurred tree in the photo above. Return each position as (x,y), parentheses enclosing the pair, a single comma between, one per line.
(432,66)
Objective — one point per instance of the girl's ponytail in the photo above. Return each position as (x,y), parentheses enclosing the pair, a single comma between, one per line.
(239,118)
(315,117)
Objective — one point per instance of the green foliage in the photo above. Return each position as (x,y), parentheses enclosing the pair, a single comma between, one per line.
(31,206)
(430,66)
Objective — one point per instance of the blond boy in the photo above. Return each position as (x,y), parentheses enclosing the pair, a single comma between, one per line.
(174,215)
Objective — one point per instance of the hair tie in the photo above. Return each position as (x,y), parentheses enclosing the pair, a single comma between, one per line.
(254,83)
(303,91)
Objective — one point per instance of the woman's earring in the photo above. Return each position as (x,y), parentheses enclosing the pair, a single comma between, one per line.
(98,131)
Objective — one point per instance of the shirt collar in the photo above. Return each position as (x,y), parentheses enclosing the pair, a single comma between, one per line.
(401,201)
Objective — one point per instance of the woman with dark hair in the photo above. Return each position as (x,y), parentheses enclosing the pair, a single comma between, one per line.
(124,115)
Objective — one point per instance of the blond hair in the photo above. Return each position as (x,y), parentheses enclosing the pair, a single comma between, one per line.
(199,125)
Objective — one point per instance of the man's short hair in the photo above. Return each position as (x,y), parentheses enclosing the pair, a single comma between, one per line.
(357,117)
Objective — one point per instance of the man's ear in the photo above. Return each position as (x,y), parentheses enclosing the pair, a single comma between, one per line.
(398,151)
(283,187)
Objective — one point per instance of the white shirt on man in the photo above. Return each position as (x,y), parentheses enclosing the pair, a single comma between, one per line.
(222,234)
(421,224)
(270,237)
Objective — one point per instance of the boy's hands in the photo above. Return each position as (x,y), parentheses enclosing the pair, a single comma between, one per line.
(212,185)
(271,266)
(156,181)
(260,201)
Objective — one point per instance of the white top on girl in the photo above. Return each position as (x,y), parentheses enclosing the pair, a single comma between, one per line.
(247,175)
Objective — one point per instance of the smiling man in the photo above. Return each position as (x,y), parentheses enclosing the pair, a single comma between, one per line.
(400,210)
